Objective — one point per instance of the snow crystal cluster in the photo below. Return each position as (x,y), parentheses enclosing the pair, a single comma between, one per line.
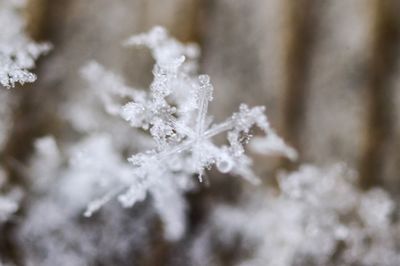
(319,217)
(17,51)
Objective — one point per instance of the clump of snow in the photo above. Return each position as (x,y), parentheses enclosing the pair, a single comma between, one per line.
(318,217)
(17,51)
(62,180)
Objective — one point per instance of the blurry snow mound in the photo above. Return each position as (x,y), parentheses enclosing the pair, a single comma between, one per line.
(319,217)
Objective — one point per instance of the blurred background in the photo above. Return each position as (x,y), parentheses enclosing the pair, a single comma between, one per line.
(327,71)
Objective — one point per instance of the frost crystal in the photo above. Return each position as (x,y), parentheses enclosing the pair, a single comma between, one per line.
(320,217)
(17,52)
(174,111)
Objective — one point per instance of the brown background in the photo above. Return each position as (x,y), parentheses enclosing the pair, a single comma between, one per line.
(328,72)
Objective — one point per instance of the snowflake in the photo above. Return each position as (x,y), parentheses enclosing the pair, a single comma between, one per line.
(174,111)
(17,52)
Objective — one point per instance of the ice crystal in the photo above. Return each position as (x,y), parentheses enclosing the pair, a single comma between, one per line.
(174,111)
(17,51)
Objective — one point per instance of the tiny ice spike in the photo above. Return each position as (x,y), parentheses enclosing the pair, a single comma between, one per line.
(17,52)
(175,113)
